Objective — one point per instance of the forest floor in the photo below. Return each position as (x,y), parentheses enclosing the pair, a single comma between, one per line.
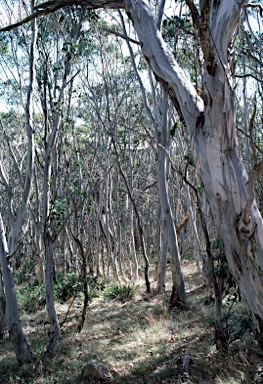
(140,340)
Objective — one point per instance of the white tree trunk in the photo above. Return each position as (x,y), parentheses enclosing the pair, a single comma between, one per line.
(3,326)
(53,343)
(178,290)
(162,253)
(22,349)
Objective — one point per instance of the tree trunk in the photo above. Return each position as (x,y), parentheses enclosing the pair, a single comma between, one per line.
(17,337)
(222,171)
(53,342)
(211,125)
(178,290)
(3,326)
(162,253)
(21,347)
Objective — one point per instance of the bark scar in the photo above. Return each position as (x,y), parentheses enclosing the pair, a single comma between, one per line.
(246,229)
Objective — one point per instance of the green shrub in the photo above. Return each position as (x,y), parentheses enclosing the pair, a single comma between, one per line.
(120,292)
(31,297)
(66,286)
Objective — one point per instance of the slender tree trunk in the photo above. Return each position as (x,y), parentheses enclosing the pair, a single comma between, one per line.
(21,347)
(53,343)
(198,253)
(40,262)
(83,276)
(135,274)
(162,253)
(98,250)
(68,262)
(3,326)
(178,289)
(17,337)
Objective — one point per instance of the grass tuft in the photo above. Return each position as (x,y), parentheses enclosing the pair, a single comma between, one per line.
(120,292)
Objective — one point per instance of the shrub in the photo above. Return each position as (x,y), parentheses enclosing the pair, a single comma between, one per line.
(120,292)
(66,286)
(31,297)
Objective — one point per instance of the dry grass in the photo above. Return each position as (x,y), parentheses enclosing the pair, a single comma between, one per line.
(140,340)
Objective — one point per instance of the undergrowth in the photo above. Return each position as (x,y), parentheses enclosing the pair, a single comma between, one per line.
(121,292)
(31,296)
(140,340)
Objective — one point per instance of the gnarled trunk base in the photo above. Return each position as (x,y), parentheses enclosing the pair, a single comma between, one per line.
(176,295)
(22,349)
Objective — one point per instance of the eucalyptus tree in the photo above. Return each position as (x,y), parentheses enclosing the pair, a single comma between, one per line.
(167,239)
(211,124)
(17,210)
(210,120)
(53,75)
(116,120)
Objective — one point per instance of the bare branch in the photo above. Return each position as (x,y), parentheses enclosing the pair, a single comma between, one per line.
(125,37)
(251,124)
(52,6)
(194,13)
(249,75)
(255,5)
(160,14)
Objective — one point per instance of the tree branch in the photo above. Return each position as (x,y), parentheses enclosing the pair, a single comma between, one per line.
(194,13)
(206,45)
(250,129)
(125,37)
(255,5)
(163,64)
(53,6)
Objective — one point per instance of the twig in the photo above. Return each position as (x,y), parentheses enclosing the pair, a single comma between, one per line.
(125,37)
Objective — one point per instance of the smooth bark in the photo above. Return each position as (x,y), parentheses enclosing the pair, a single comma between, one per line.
(17,337)
(178,290)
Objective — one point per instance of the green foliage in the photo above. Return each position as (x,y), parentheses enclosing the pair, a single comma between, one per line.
(57,209)
(66,286)
(120,292)
(26,272)
(32,296)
